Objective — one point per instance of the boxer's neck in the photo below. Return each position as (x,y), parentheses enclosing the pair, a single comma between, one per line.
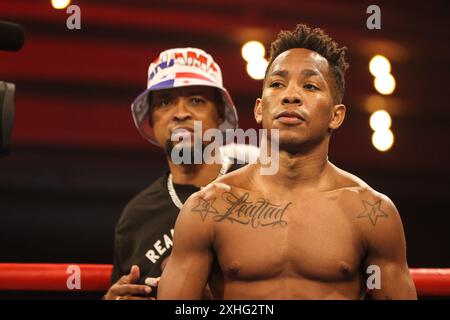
(301,169)
(194,174)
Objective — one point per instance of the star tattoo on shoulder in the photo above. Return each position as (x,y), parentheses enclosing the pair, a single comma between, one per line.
(204,207)
(372,211)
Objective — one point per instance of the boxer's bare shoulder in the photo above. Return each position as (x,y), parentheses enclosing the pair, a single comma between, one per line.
(374,213)
(355,190)
(240,178)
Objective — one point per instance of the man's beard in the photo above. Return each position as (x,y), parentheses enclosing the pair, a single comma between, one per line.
(187,151)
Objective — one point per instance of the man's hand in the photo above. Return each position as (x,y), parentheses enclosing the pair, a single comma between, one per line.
(126,289)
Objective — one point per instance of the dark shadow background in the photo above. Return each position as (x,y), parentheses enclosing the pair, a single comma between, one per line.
(77,157)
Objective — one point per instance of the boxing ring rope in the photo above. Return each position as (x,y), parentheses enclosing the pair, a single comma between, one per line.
(96,277)
(53,276)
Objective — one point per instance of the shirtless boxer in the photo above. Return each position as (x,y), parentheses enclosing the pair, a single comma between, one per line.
(311,230)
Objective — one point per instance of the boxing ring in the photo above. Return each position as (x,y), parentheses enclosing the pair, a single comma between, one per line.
(430,282)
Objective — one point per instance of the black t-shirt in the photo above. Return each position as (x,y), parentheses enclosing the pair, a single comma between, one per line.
(144,232)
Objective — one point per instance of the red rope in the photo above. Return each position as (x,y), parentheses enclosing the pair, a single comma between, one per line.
(431,282)
(53,276)
(96,277)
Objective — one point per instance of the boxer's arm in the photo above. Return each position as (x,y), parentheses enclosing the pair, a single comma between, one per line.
(186,273)
(387,250)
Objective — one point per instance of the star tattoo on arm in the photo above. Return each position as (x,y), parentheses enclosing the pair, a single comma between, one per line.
(372,212)
(204,207)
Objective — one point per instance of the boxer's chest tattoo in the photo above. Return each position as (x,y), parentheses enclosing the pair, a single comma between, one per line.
(259,213)
(372,211)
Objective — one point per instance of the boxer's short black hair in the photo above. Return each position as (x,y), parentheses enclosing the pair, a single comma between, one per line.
(315,40)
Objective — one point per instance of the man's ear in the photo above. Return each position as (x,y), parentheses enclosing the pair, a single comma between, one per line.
(258,111)
(222,117)
(338,116)
(221,112)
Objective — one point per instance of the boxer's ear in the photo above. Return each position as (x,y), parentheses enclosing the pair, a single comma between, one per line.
(337,116)
(258,111)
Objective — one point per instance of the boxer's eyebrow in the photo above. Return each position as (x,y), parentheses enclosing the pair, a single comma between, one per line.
(282,73)
(310,73)
(305,72)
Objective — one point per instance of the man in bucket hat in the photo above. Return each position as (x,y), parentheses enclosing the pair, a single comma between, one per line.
(184,85)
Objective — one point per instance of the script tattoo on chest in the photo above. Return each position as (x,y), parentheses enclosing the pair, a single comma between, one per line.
(259,213)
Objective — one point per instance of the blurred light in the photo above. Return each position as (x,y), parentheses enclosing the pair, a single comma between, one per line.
(379,66)
(253,50)
(383,139)
(60,4)
(380,120)
(257,68)
(385,84)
